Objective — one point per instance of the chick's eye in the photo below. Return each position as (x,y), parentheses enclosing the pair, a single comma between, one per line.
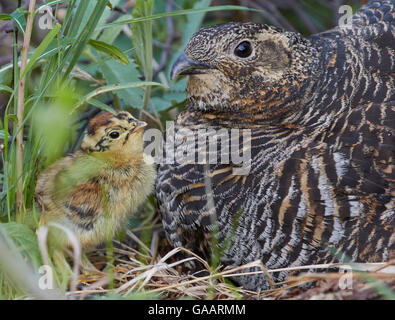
(114,134)
(244,49)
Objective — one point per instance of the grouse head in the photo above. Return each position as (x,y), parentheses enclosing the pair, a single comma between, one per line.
(244,67)
(114,134)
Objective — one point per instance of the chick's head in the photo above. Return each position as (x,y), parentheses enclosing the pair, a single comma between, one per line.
(114,134)
(236,65)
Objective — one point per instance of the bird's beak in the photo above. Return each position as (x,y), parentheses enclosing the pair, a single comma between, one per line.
(185,66)
(140,126)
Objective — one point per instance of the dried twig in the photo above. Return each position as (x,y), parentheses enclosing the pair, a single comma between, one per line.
(42,235)
(337,276)
(162,276)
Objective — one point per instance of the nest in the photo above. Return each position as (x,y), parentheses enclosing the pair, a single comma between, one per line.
(158,273)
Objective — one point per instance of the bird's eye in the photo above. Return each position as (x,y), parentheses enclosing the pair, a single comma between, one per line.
(244,49)
(114,134)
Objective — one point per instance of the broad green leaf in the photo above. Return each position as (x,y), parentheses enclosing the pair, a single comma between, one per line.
(114,73)
(194,21)
(19,19)
(109,35)
(167,100)
(114,87)
(110,49)
(24,239)
(41,48)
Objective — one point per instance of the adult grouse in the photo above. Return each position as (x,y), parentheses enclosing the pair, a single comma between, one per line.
(316,118)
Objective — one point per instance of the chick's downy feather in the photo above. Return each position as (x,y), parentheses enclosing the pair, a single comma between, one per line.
(95,190)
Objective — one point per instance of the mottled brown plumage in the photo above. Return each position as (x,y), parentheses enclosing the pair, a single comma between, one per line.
(94,191)
(321,111)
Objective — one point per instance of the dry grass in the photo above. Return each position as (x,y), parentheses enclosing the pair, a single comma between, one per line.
(155,275)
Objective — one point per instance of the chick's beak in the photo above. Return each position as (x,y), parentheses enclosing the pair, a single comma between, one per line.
(185,65)
(140,126)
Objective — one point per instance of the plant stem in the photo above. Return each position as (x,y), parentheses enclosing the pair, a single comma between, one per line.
(146,55)
(21,106)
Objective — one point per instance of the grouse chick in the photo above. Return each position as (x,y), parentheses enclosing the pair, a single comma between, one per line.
(94,191)
(319,112)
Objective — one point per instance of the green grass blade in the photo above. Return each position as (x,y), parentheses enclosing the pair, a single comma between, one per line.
(101,105)
(41,48)
(179,13)
(77,19)
(142,36)
(83,38)
(49,4)
(110,49)
(6,88)
(114,87)
(142,42)
(19,19)
(5,17)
